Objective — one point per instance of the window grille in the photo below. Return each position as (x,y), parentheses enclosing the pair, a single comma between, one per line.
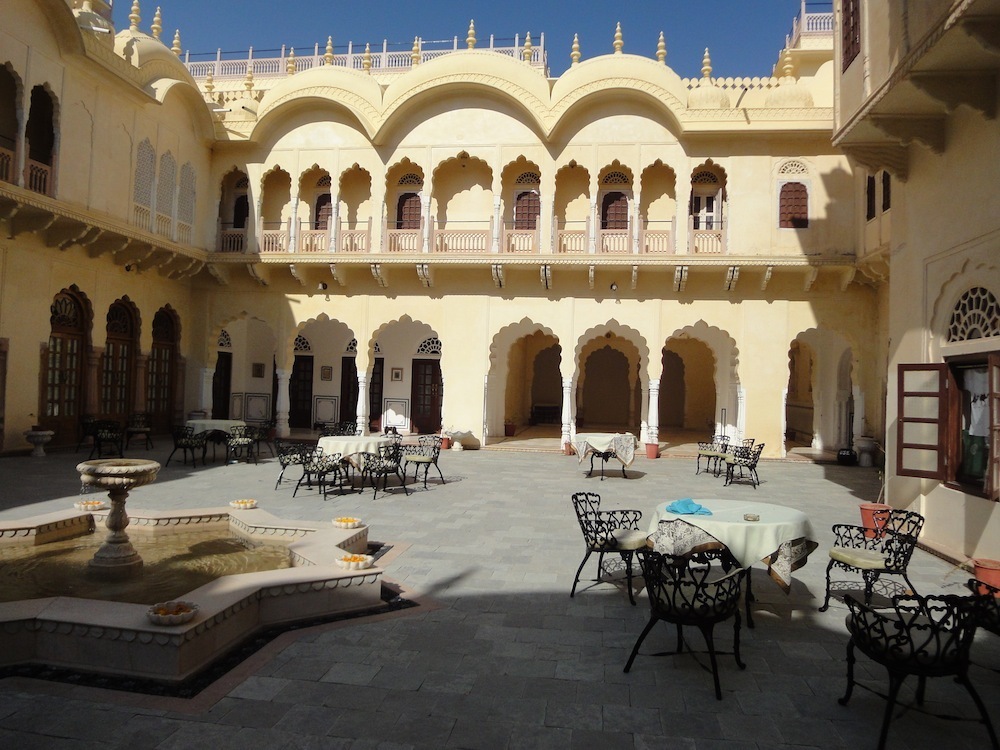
(976,316)
(302,344)
(145,170)
(430,346)
(224,341)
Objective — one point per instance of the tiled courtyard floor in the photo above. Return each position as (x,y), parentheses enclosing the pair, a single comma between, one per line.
(498,655)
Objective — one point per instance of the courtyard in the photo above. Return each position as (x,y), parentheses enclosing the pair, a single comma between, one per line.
(496,654)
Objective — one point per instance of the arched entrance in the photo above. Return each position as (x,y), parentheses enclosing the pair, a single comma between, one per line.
(64,365)
(118,364)
(819,400)
(162,370)
(608,392)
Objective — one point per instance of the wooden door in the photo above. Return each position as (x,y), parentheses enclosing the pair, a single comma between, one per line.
(425,396)
(118,365)
(408,211)
(221,387)
(300,392)
(614,211)
(375,396)
(348,390)
(161,372)
(64,369)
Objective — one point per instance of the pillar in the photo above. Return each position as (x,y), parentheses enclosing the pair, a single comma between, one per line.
(281,413)
(653,413)
(497,224)
(141,382)
(567,412)
(91,403)
(363,411)
(205,402)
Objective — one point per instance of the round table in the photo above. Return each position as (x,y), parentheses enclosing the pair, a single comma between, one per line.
(351,445)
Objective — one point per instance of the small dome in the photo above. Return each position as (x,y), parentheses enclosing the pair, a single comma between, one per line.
(706,95)
(788,93)
(138,49)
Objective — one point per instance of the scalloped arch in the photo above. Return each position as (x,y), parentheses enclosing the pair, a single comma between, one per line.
(460,156)
(217,328)
(402,319)
(719,341)
(617,329)
(88,308)
(504,338)
(288,348)
(966,277)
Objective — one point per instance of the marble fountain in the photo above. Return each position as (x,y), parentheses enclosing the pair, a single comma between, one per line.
(118,638)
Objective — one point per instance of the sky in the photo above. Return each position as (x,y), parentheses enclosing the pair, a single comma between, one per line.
(744,36)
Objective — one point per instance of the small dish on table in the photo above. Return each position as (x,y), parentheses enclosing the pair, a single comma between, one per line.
(89,505)
(172,613)
(243,504)
(347,522)
(355,562)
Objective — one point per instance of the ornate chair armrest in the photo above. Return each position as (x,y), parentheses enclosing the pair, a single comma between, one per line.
(856,537)
(621,519)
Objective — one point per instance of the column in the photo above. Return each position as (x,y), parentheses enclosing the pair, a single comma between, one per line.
(281,412)
(653,413)
(293,234)
(567,412)
(91,402)
(425,211)
(205,402)
(333,240)
(363,410)
(635,220)
(592,225)
(141,382)
(258,223)
(546,224)
(497,225)
(633,384)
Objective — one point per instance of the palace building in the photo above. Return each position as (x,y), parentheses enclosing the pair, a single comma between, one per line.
(449,239)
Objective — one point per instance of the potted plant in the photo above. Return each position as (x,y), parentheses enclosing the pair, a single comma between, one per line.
(987,571)
(445,440)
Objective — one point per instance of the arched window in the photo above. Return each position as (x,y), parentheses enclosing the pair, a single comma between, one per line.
(166,185)
(118,366)
(324,211)
(241,211)
(8,125)
(408,211)
(65,362)
(527,208)
(793,206)
(142,190)
(614,211)
(40,137)
(162,369)
(706,201)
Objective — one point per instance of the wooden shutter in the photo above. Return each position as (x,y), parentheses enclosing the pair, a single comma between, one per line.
(614,211)
(793,206)
(993,469)
(922,420)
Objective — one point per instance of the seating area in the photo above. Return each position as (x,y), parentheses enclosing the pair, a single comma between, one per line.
(607,531)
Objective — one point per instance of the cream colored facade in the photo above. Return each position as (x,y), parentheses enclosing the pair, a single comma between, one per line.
(923,107)
(448,241)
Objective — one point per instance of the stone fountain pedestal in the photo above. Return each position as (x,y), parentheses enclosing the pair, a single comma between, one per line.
(117,558)
(39,439)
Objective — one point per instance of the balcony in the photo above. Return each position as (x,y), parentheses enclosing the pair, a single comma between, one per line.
(354,240)
(571,237)
(39,177)
(520,241)
(273,239)
(314,240)
(232,239)
(706,236)
(463,237)
(6,165)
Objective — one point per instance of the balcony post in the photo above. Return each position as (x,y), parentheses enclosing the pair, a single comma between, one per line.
(333,231)
(635,222)
(293,225)
(495,226)
(425,218)
(592,225)
(282,403)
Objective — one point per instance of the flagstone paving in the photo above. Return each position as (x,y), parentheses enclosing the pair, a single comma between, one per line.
(498,655)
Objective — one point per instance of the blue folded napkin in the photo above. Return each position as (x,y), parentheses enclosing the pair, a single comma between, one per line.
(688,507)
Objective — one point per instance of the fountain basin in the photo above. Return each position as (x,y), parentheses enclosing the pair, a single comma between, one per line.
(118,638)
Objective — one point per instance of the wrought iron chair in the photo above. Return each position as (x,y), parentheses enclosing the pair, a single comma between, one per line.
(108,439)
(318,469)
(378,466)
(241,441)
(264,435)
(289,454)
(604,531)
(689,590)
(425,454)
(713,451)
(139,423)
(744,459)
(924,636)
(885,550)
(88,424)
(186,440)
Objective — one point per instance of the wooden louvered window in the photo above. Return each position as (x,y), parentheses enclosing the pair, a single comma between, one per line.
(793,206)
(527,207)
(886,191)
(324,212)
(870,198)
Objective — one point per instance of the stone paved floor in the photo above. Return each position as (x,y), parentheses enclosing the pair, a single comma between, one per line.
(498,655)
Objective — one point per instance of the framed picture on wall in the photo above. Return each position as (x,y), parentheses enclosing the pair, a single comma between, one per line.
(257,369)
(396,374)
(326,373)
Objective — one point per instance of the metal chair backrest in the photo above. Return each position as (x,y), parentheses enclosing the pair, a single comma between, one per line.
(690,591)
(598,526)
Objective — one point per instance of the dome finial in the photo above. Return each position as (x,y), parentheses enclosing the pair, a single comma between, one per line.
(209,84)
(157,27)
(527,51)
(787,66)
(574,54)
(470,40)
(366,59)
(248,81)
(134,18)
(290,62)
(328,55)
(706,66)
(661,49)
(415,52)
(619,39)
(176,46)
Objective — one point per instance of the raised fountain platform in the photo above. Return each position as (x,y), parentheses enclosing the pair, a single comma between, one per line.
(118,639)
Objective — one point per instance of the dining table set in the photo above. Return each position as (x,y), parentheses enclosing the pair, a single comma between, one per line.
(605,446)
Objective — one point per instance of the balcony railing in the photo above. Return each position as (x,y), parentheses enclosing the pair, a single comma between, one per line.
(657,238)
(38,177)
(355,240)
(707,238)
(614,241)
(313,240)
(470,239)
(142,216)
(233,240)
(520,241)
(6,165)
(165,225)
(573,237)
(184,233)
(274,241)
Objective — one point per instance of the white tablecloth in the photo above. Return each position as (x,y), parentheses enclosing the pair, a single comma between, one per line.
(220,425)
(782,537)
(351,445)
(622,444)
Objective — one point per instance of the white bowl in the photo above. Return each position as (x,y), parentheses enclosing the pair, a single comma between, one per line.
(347,523)
(243,504)
(356,564)
(90,505)
(181,612)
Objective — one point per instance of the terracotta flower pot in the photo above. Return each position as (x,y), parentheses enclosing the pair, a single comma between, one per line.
(509,429)
(868,518)
(445,443)
(652,450)
(987,571)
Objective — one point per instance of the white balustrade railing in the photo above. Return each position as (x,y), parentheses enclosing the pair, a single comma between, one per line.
(614,241)
(462,241)
(403,241)
(354,241)
(232,240)
(164,225)
(142,216)
(39,177)
(313,240)
(184,233)
(656,241)
(274,241)
(6,165)
(571,240)
(521,241)
(708,241)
